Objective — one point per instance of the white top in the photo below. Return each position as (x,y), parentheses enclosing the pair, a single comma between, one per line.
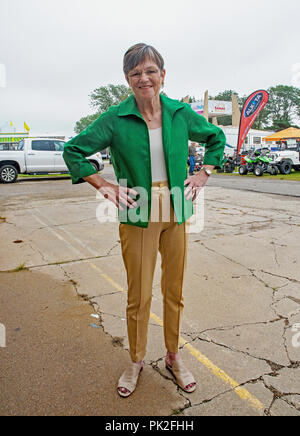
(158,165)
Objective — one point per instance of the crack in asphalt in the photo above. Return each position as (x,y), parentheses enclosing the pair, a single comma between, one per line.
(154,364)
(63,262)
(275,368)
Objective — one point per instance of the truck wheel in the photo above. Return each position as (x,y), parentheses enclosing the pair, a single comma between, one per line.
(285,168)
(94,165)
(258,171)
(8,174)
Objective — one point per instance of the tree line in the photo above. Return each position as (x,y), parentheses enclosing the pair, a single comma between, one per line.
(281,112)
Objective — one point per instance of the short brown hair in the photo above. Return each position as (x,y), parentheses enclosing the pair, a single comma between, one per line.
(139,53)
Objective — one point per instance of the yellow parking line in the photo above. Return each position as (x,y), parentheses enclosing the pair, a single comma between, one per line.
(107,278)
(241,392)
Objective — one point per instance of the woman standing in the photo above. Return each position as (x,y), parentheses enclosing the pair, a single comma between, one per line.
(148,138)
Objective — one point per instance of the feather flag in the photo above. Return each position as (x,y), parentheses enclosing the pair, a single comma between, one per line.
(252,107)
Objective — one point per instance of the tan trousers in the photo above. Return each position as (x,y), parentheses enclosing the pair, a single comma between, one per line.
(139,249)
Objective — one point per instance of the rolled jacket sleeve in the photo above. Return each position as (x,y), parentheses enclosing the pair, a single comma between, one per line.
(202,131)
(96,137)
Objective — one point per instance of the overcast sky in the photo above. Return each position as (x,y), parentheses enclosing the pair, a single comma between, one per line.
(54,53)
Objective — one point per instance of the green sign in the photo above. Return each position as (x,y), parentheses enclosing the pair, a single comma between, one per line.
(7,139)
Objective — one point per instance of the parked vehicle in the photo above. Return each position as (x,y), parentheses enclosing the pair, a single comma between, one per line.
(228,165)
(38,156)
(288,159)
(198,162)
(258,162)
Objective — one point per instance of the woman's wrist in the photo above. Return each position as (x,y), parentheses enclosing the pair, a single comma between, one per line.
(96,181)
(207,169)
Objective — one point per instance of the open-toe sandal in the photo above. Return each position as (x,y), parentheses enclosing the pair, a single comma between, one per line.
(129,379)
(182,375)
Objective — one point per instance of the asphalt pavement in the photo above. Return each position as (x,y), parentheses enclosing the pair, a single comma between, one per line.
(63,300)
(262,184)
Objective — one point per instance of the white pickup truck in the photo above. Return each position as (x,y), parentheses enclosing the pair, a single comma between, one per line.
(37,156)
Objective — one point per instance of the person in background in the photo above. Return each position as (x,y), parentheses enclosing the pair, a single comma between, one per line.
(192,158)
(148,136)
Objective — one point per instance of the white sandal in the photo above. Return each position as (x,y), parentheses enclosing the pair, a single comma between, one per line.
(129,379)
(182,375)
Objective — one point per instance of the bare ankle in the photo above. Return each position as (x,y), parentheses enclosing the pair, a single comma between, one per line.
(172,356)
(141,363)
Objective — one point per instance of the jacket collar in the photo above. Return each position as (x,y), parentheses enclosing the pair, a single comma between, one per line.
(129,106)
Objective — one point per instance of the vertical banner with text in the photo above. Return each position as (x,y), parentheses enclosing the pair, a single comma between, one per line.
(252,107)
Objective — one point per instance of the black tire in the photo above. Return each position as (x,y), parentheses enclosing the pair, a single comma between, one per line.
(285,168)
(258,171)
(94,165)
(274,171)
(229,169)
(8,174)
(243,170)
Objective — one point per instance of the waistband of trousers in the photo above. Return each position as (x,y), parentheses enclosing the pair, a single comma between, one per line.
(160,184)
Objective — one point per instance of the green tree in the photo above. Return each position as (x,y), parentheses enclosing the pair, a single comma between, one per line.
(84,122)
(225,95)
(283,106)
(226,120)
(101,99)
(191,100)
(262,121)
(105,96)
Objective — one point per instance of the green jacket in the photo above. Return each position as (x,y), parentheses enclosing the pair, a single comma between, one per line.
(123,129)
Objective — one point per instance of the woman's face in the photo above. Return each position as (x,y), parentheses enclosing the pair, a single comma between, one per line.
(146,79)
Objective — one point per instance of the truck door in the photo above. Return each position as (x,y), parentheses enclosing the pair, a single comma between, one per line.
(40,156)
(59,162)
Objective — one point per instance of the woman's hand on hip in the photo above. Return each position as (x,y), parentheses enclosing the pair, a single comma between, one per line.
(194,184)
(115,193)
(119,195)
